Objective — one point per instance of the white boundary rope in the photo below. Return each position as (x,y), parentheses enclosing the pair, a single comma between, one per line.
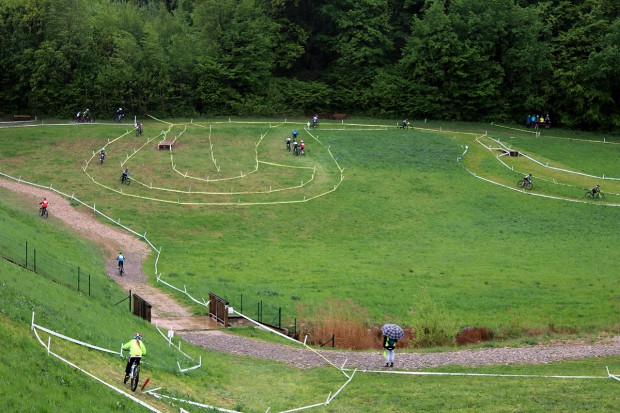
(129,396)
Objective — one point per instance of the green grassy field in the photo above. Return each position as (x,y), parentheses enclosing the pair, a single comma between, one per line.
(407,231)
(408,224)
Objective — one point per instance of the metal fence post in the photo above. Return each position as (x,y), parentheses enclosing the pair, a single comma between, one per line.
(26,254)
(34,251)
(280,318)
(89,284)
(241,309)
(78,278)
(129,301)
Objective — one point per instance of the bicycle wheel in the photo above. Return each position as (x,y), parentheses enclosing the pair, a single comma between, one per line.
(45,214)
(521,183)
(121,270)
(135,378)
(600,196)
(529,185)
(589,195)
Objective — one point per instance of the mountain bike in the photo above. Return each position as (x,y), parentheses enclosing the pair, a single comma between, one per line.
(525,184)
(597,195)
(139,131)
(121,269)
(125,179)
(43,212)
(134,375)
(101,157)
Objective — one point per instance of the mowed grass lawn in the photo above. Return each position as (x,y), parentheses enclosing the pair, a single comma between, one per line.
(408,229)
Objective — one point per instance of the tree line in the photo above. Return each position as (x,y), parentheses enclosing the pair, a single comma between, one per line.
(474,60)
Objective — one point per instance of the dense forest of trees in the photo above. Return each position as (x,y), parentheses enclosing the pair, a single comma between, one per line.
(439,59)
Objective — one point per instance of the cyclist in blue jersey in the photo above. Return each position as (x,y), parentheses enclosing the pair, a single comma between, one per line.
(121,261)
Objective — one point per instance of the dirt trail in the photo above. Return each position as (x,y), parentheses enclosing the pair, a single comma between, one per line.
(112,240)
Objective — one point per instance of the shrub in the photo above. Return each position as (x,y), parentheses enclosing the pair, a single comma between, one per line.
(346,321)
(433,326)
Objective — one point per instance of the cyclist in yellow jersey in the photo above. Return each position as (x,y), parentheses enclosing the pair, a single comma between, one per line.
(137,349)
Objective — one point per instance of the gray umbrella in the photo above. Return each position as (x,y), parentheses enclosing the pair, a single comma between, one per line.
(393,331)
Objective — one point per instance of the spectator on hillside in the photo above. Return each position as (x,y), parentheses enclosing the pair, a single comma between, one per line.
(389,344)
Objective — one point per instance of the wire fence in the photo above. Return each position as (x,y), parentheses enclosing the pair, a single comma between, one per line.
(261,311)
(36,259)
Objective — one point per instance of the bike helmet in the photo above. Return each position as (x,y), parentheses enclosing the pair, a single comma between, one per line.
(137,336)
(302,141)
(120,253)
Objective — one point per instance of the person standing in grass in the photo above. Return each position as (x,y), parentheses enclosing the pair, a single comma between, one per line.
(389,344)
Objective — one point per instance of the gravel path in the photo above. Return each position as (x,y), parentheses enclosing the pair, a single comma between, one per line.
(305,358)
(113,240)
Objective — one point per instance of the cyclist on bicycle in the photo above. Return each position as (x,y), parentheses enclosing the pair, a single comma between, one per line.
(139,128)
(125,176)
(288,143)
(137,349)
(405,124)
(315,121)
(528,178)
(302,146)
(121,261)
(295,147)
(596,189)
(43,204)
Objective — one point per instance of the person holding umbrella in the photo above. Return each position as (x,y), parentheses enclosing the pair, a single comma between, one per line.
(392,333)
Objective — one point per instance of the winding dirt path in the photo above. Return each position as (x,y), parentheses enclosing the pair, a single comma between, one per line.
(170,314)
(111,240)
